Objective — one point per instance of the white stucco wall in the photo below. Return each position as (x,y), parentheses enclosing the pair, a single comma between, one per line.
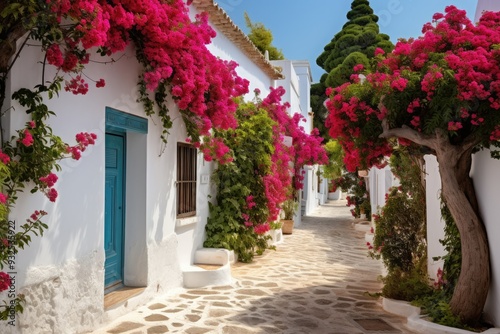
(63,271)
(223,48)
(379,181)
(435,224)
(290,83)
(486,5)
(303,71)
(486,181)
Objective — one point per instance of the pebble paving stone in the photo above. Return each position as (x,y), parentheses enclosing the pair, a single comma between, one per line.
(318,281)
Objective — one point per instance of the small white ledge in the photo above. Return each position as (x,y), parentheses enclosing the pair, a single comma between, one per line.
(187,221)
(416,323)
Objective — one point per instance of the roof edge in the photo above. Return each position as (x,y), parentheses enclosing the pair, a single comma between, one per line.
(219,18)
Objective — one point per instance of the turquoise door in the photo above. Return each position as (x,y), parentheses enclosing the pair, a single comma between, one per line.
(114,209)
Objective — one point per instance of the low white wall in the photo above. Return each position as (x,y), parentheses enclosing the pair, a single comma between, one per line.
(379,181)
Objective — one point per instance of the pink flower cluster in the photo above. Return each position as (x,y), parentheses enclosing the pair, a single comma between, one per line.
(4,157)
(250,202)
(305,149)
(440,281)
(5,281)
(27,138)
(215,149)
(36,215)
(83,139)
(77,85)
(262,228)
(47,184)
(347,121)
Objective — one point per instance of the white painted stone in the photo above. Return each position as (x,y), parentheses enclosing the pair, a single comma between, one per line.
(418,323)
(196,277)
(400,308)
(217,256)
(276,237)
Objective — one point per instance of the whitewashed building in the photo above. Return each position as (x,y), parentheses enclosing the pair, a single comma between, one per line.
(65,274)
(297,83)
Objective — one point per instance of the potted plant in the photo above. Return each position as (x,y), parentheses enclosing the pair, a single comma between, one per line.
(288,208)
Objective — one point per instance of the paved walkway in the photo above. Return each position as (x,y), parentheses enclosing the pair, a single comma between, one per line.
(317,281)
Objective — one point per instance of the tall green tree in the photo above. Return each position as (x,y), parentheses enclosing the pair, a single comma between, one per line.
(262,37)
(354,44)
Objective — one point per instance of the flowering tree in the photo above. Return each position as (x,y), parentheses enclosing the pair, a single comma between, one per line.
(440,92)
(175,59)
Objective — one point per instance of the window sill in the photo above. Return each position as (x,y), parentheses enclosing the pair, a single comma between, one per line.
(186,221)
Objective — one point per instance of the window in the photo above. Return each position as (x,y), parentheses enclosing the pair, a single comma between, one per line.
(186,180)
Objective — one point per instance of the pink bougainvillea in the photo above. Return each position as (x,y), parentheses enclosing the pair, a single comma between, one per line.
(5,281)
(306,149)
(172,49)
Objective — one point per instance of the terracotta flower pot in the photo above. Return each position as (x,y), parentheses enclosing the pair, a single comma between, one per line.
(287,227)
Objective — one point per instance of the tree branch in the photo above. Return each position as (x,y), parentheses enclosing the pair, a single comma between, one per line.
(407,133)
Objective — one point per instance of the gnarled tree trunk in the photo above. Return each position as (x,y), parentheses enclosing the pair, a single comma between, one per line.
(473,284)
(457,189)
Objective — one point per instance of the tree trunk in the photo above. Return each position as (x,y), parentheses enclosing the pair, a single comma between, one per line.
(473,284)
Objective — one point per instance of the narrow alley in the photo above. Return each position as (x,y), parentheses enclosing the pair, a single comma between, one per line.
(317,281)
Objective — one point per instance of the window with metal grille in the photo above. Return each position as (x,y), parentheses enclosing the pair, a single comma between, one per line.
(186,180)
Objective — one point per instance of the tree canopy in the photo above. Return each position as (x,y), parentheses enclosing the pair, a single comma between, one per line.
(354,44)
(262,37)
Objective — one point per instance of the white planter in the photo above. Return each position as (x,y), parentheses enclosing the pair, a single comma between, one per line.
(276,237)
(419,324)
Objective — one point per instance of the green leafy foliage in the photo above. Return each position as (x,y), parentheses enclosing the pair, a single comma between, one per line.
(262,38)
(453,248)
(335,164)
(437,308)
(289,207)
(251,144)
(400,232)
(359,197)
(408,286)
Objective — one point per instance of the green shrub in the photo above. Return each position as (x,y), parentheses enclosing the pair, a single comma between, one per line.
(407,286)
(400,232)
(251,144)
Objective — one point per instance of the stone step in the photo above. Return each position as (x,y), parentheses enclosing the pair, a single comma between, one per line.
(212,268)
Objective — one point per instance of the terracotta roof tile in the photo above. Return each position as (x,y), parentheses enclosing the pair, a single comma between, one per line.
(219,18)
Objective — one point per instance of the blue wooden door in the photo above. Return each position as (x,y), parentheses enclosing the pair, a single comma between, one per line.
(114,209)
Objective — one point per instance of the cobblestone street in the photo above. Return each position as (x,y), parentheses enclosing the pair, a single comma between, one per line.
(317,281)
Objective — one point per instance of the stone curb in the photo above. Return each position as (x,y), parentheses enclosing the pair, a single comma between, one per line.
(417,323)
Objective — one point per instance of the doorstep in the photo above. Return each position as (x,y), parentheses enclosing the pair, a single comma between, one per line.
(120,296)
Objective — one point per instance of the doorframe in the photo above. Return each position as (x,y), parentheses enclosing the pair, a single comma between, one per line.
(134,129)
